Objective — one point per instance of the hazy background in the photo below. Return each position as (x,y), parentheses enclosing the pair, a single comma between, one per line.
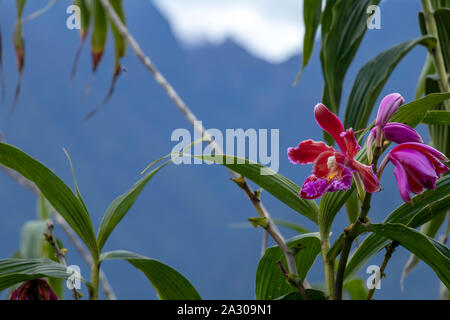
(234,68)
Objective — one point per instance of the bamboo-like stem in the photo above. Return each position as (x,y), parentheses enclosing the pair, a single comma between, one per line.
(352,232)
(389,251)
(50,238)
(436,53)
(27,184)
(328,267)
(190,116)
(95,278)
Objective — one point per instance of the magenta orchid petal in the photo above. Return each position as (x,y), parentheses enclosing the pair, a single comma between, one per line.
(350,141)
(329,122)
(401,133)
(315,187)
(369,141)
(402,181)
(307,151)
(388,106)
(418,166)
(368,176)
(421,148)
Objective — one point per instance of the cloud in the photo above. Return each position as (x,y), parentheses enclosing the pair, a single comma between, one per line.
(268,29)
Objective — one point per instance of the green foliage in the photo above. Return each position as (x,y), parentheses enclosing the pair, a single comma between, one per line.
(440,117)
(55,190)
(270,281)
(312,10)
(120,206)
(425,207)
(433,253)
(168,283)
(344,26)
(371,79)
(356,289)
(13,271)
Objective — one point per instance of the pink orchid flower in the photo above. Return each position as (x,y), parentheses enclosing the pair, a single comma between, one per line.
(392,131)
(333,169)
(417,166)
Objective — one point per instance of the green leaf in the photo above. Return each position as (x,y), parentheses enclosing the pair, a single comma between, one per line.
(13,271)
(371,79)
(20,6)
(439,133)
(442,18)
(429,229)
(356,289)
(32,239)
(441,117)
(290,225)
(270,281)
(352,207)
(413,112)
(277,185)
(168,283)
(345,29)
(311,293)
(99,33)
(433,253)
(330,204)
(85,16)
(55,190)
(312,10)
(425,207)
(120,44)
(120,207)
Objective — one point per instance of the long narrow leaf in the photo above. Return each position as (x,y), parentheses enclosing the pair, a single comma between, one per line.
(168,283)
(120,207)
(371,79)
(55,190)
(433,253)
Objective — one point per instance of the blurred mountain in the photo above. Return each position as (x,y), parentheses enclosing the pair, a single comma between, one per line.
(183,217)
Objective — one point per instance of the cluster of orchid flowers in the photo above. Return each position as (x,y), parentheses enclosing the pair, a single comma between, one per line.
(417,165)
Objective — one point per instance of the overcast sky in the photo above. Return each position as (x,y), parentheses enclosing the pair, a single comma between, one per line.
(268,29)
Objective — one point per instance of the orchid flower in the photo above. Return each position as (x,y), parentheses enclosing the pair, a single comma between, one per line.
(417,166)
(37,289)
(396,132)
(333,169)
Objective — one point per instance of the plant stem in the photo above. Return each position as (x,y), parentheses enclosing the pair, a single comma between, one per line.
(272,229)
(93,290)
(50,237)
(328,266)
(350,236)
(436,52)
(389,251)
(352,232)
